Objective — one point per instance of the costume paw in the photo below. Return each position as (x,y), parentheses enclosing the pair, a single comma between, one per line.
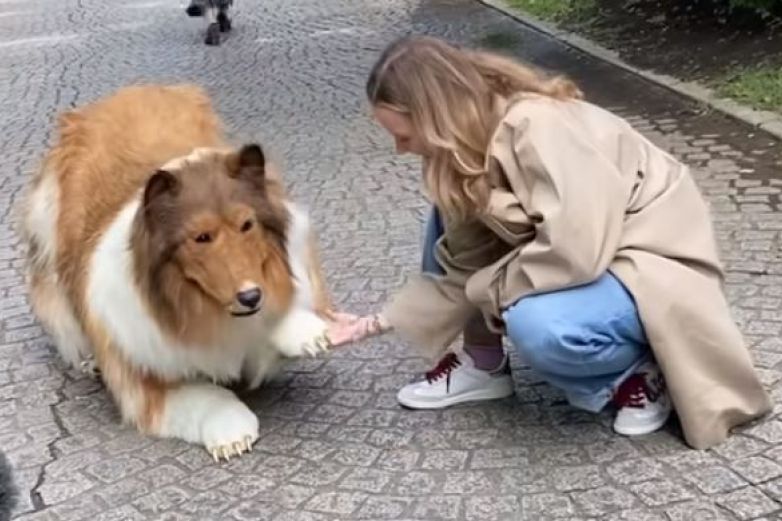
(301,333)
(230,432)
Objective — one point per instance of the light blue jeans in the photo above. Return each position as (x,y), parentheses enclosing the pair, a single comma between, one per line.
(583,340)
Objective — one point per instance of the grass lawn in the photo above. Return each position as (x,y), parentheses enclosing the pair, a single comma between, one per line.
(759,87)
(747,68)
(554,10)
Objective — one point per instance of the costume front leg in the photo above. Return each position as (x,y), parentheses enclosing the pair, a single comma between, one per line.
(210,416)
(201,413)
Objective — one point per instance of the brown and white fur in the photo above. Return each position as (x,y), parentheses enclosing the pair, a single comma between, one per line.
(174,260)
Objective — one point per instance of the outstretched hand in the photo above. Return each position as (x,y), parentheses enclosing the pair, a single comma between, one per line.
(345,328)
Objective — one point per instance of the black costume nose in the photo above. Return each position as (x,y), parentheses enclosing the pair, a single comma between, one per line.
(249,298)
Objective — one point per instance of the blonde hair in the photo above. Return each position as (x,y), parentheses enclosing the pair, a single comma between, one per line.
(451,96)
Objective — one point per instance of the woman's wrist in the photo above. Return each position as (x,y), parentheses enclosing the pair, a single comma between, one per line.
(379,324)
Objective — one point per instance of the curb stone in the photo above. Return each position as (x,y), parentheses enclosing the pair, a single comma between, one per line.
(765,120)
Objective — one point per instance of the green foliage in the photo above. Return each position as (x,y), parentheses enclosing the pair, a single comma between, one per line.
(760,88)
(554,10)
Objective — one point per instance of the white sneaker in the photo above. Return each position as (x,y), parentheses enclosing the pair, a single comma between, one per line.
(456,380)
(642,401)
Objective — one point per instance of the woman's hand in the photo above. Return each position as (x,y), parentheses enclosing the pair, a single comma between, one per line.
(345,328)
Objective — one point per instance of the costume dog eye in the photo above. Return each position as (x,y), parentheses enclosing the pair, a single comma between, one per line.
(246,226)
(204,237)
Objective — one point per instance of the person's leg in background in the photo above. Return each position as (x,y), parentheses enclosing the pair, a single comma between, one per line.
(196,8)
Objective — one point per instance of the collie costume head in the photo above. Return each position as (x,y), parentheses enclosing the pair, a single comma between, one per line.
(212,226)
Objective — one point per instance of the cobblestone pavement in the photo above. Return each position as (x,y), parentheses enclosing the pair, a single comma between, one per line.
(334,443)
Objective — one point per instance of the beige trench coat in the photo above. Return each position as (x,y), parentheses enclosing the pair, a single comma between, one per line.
(577,192)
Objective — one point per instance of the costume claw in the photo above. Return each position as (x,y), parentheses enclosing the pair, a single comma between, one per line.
(89,367)
(235,449)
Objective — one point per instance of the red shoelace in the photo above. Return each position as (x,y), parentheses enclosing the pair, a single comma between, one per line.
(632,392)
(444,367)
(636,391)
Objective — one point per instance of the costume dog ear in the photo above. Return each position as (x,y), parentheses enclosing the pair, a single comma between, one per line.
(248,164)
(160,194)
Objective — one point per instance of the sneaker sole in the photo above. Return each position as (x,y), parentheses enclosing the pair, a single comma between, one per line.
(646,429)
(472,396)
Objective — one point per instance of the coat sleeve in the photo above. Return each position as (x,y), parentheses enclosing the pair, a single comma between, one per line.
(430,311)
(574,195)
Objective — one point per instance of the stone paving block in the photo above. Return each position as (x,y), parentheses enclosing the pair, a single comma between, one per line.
(125,513)
(714,480)
(444,460)
(58,490)
(209,504)
(615,449)
(747,503)
(577,478)
(384,507)
(349,434)
(114,469)
(499,458)
(125,491)
(399,460)
(356,456)
(701,510)
(161,500)
(490,508)
(470,482)
(604,500)
(542,506)
(661,492)
(437,508)
(523,480)
(638,515)
(368,480)
(252,511)
(207,478)
(245,486)
(80,507)
(757,469)
(389,438)
(773,489)
(287,496)
(635,470)
(770,432)
(292,515)
(341,503)
(740,446)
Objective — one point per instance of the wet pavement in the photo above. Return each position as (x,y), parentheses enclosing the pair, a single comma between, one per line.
(335,445)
